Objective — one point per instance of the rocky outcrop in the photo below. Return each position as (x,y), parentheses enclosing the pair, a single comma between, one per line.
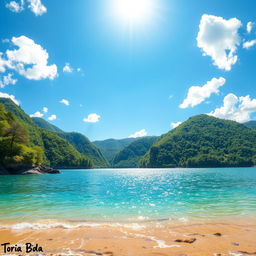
(23,170)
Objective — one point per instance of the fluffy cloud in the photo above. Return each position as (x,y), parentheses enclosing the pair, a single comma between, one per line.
(45,109)
(67,68)
(15,6)
(52,117)
(31,55)
(65,102)
(237,109)
(139,134)
(8,96)
(4,64)
(249,27)
(218,38)
(37,114)
(249,44)
(92,118)
(197,94)
(176,124)
(7,80)
(35,6)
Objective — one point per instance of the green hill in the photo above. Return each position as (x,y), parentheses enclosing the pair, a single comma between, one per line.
(251,124)
(204,141)
(130,155)
(78,140)
(45,125)
(57,152)
(14,144)
(111,147)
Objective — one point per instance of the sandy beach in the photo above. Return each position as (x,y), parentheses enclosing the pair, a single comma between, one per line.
(198,238)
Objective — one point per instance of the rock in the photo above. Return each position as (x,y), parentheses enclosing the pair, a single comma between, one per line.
(41,170)
(28,169)
(217,234)
(235,244)
(188,241)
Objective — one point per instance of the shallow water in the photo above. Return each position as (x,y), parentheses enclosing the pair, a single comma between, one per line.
(129,194)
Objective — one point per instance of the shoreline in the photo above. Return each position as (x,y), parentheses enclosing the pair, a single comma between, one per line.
(223,236)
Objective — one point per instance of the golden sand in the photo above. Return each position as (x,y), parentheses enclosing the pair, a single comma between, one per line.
(216,238)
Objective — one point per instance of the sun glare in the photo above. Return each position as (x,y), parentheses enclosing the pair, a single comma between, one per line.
(133,12)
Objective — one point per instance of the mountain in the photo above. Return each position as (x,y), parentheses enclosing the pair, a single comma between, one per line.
(204,141)
(56,151)
(45,125)
(251,124)
(14,144)
(111,147)
(78,140)
(130,155)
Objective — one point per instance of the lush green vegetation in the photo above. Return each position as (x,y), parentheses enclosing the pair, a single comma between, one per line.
(79,142)
(56,152)
(130,155)
(111,147)
(14,143)
(251,124)
(84,146)
(204,141)
(46,125)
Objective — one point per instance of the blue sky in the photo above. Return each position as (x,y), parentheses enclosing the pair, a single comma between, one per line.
(128,79)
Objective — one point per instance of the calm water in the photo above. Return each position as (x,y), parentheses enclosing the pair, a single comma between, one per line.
(129,194)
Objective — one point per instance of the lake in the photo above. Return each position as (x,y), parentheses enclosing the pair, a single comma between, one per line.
(129,194)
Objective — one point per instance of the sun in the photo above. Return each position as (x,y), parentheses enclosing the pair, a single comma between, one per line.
(133,12)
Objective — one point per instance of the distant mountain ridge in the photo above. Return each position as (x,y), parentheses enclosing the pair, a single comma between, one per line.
(251,124)
(111,147)
(78,140)
(129,156)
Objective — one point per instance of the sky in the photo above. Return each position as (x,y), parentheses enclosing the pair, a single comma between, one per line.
(128,68)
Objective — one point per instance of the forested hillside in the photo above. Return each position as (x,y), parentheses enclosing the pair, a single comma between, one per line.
(111,147)
(56,152)
(204,141)
(129,157)
(80,142)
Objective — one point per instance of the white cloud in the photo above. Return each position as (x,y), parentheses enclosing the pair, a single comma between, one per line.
(31,54)
(92,118)
(37,114)
(175,124)
(4,64)
(7,80)
(37,7)
(197,94)
(52,117)
(249,27)
(249,44)
(219,38)
(237,109)
(65,102)
(45,109)
(15,6)
(139,134)
(67,68)
(8,96)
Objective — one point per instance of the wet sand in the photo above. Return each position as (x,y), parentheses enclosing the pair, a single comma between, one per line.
(163,238)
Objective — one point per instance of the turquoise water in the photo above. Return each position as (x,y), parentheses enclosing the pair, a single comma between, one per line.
(129,194)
